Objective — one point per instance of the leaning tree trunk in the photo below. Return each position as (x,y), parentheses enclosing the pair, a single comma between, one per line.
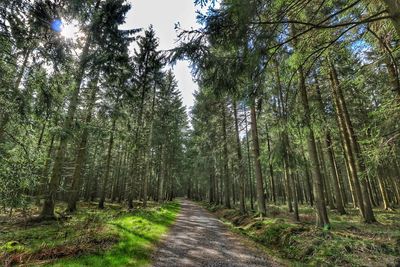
(49,203)
(242,207)
(353,147)
(330,154)
(322,214)
(257,163)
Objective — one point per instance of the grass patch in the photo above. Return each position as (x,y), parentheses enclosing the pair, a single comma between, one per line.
(348,243)
(91,237)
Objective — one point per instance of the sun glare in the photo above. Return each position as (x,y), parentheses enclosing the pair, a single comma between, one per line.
(70,30)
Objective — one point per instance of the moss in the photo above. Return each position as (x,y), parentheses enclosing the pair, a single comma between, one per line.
(91,237)
(138,233)
(348,242)
(11,247)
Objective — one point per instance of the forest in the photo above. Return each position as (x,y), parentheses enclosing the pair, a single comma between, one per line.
(293,141)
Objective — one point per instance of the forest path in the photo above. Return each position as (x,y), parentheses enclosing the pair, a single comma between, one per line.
(199,239)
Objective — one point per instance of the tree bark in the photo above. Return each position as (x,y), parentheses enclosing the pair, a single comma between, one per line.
(248,160)
(162,175)
(81,152)
(383,190)
(271,169)
(108,163)
(227,181)
(242,207)
(288,187)
(322,214)
(356,166)
(257,163)
(334,174)
(49,203)
(326,177)
(289,178)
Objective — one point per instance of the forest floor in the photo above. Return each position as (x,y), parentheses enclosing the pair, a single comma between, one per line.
(117,237)
(198,238)
(90,237)
(348,243)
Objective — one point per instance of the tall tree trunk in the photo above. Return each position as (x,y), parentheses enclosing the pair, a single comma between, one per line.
(242,207)
(148,170)
(351,146)
(289,177)
(308,178)
(81,152)
(294,197)
(48,206)
(248,160)
(271,169)
(227,182)
(45,172)
(334,174)
(326,180)
(162,175)
(288,187)
(395,178)
(383,190)
(108,163)
(322,214)
(257,163)
(131,181)
(330,155)
(117,175)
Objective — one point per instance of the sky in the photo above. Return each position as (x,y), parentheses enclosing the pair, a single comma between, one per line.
(163,15)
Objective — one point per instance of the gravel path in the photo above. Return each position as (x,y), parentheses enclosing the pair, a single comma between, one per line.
(199,239)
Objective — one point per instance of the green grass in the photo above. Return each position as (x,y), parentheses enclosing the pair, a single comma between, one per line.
(91,237)
(138,234)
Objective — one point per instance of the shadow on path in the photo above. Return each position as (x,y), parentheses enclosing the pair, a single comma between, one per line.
(199,239)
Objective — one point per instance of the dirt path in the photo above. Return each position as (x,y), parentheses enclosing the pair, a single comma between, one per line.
(199,239)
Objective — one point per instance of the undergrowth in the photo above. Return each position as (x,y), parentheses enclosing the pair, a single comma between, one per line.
(348,243)
(91,237)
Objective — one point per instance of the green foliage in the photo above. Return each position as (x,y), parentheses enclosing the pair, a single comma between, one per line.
(19,173)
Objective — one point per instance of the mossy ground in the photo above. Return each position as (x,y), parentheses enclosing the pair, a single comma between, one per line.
(90,237)
(349,242)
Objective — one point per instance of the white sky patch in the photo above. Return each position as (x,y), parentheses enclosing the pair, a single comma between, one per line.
(163,15)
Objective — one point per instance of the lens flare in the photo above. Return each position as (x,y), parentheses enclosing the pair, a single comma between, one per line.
(57,25)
